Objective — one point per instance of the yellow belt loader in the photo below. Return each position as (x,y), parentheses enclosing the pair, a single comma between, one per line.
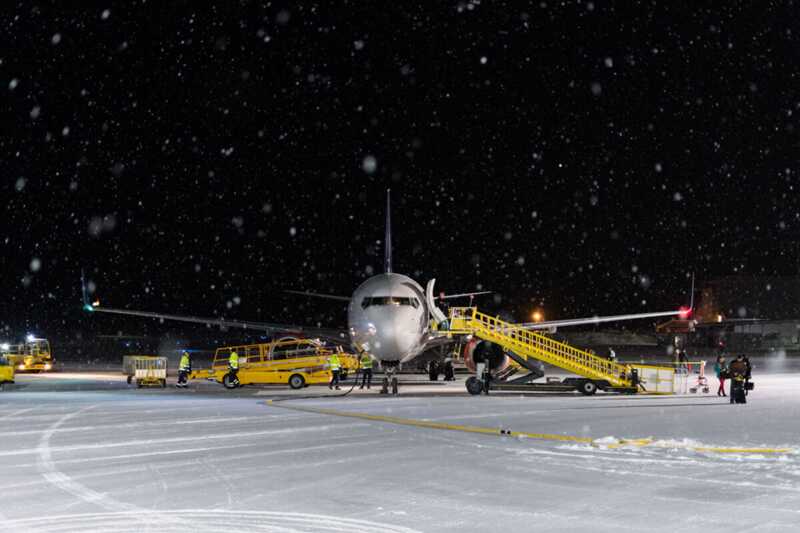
(294,362)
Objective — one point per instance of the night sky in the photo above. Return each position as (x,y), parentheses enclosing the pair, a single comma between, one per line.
(577,155)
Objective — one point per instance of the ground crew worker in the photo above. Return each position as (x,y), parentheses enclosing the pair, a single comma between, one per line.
(612,355)
(748,374)
(738,371)
(433,371)
(366,370)
(449,371)
(336,369)
(184,367)
(233,368)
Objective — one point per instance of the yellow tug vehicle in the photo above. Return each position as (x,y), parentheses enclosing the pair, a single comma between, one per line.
(291,361)
(6,372)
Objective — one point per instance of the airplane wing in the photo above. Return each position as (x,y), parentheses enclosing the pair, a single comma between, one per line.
(683,313)
(601,319)
(332,335)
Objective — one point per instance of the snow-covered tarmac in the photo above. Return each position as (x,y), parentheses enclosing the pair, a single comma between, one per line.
(85,453)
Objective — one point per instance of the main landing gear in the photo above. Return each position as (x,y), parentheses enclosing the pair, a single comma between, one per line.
(389,379)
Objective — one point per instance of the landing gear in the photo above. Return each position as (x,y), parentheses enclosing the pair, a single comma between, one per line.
(390,380)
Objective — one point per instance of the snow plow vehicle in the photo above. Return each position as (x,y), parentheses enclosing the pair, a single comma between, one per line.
(294,362)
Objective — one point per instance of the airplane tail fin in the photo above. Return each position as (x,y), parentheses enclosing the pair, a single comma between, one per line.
(686,312)
(387,260)
(87,306)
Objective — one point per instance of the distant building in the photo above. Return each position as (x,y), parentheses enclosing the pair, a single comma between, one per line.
(746,297)
(749,334)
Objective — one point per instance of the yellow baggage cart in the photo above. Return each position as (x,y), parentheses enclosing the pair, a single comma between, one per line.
(145,370)
(294,362)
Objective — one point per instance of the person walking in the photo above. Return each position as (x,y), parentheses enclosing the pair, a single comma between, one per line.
(366,370)
(612,355)
(737,373)
(720,370)
(748,373)
(336,370)
(683,361)
(433,371)
(233,368)
(184,368)
(449,371)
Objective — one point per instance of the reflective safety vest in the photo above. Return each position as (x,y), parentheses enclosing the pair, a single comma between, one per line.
(185,365)
(366,361)
(233,361)
(334,362)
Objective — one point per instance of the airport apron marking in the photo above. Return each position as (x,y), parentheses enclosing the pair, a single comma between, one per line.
(622,443)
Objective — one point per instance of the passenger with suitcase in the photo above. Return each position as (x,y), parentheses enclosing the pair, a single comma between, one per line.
(720,371)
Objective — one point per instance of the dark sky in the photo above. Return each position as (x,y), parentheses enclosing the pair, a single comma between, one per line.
(579,154)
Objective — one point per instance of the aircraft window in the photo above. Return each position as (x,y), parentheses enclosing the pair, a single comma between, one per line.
(369,301)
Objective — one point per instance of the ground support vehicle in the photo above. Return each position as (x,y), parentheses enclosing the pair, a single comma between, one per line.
(6,372)
(34,355)
(529,349)
(294,362)
(145,370)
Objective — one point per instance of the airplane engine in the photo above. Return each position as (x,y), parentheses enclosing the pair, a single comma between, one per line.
(478,351)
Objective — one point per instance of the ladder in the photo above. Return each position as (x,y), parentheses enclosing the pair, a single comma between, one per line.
(529,344)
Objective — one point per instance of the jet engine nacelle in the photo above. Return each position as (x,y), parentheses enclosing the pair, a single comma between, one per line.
(480,351)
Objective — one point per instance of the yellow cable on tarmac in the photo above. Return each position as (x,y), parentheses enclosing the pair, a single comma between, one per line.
(522,434)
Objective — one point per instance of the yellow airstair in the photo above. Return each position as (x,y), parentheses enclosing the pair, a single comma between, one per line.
(522,344)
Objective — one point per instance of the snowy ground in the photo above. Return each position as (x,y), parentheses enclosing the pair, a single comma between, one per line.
(82,452)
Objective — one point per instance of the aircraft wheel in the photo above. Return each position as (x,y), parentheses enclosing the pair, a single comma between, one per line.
(394,385)
(130,378)
(296,381)
(588,387)
(474,385)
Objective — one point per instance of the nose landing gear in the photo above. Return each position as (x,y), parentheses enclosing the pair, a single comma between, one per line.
(390,379)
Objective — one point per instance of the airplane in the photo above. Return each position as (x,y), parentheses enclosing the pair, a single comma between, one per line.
(389,317)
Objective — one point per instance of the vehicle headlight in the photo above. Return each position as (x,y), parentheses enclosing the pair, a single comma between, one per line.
(21,367)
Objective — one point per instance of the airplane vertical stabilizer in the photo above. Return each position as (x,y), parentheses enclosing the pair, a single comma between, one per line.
(387,261)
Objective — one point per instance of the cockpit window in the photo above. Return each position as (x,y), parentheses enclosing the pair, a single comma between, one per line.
(389,300)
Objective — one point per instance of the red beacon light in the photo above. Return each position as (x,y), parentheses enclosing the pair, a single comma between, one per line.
(684,312)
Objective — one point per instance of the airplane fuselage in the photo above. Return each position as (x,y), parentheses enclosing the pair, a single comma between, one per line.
(388,318)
